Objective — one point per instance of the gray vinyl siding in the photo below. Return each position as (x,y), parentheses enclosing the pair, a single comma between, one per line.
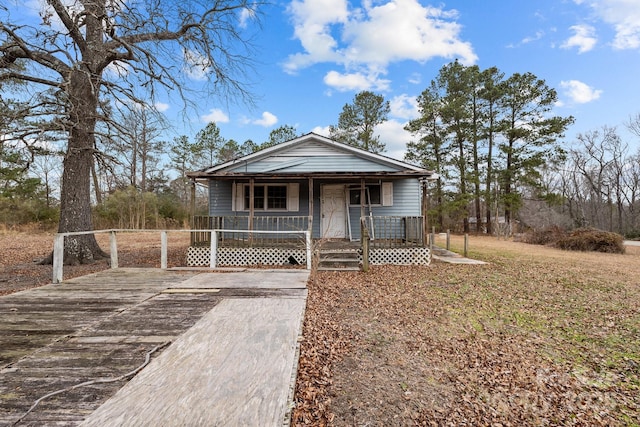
(220,195)
(320,163)
(220,200)
(406,202)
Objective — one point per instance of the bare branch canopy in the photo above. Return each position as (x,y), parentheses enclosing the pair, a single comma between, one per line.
(78,59)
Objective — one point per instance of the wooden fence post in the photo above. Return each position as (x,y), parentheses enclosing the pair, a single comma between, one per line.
(113,249)
(214,249)
(308,241)
(432,238)
(163,250)
(58,257)
(365,247)
(448,240)
(466,244)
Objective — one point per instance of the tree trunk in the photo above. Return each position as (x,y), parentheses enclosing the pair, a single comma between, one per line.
(488,196)
(75,197)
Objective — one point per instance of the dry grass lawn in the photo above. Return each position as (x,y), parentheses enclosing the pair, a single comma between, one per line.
(538,336)
(20,249)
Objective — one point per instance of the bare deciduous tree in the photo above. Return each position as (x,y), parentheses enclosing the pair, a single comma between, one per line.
(81,54)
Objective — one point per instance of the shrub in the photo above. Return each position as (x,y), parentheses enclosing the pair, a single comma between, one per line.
(545,236)
(591,239)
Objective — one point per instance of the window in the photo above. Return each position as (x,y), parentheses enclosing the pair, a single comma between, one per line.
(375,194)
(372,195)
(277,197)
(266,197)
(258,197)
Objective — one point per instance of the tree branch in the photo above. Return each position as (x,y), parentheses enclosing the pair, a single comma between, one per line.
(69,24)
(25,77)
(20,50)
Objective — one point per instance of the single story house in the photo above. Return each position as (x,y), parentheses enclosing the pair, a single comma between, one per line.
(311,183)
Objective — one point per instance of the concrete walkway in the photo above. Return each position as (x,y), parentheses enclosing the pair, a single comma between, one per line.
(232,362)
(443,255)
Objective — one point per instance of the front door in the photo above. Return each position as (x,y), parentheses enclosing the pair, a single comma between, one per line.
(333,212)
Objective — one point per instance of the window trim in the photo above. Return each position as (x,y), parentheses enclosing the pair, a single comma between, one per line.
(358,189)
(266,208)
(293,196)
(386,194)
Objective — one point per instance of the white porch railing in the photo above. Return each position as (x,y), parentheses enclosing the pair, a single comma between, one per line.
(58,245)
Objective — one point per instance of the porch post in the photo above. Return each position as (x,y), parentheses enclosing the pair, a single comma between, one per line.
(193,199)
(251,208)
(425,209)
(193,210)
(362,197)
(310,225)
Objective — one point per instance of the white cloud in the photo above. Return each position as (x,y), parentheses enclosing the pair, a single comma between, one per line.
(583,38)
(161,106)
(537,36)
(321,130)
(355,81)
(215,115)
(404,107)
(395,138)
(312,21)
(267,119)
(365,40)
(624,16)
(415,79)
(196,66)
(579,92)
(246,14)
(404,29)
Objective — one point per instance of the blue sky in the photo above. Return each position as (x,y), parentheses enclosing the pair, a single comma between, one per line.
(313,56)
(317,54)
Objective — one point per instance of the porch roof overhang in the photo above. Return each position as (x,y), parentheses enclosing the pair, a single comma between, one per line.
(203,177)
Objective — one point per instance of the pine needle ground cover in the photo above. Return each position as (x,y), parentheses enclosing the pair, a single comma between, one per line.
(538,336)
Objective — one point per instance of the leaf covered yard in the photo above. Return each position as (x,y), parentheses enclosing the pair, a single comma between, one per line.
(538,336)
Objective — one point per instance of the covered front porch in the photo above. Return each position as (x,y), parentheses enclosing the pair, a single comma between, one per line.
(283,241)
(329,190)
(382,231)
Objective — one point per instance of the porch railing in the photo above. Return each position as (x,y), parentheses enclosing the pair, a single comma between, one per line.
(394,231)
(243,236)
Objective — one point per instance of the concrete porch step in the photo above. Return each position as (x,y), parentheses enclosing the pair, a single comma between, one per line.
(355,259)
(320,268)
(339,260)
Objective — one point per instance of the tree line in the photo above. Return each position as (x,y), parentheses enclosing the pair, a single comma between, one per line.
(135,184)
(598,183)
(502,158)
(487,136)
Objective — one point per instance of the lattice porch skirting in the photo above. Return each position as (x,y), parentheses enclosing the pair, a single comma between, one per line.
(399,256)
(198,256)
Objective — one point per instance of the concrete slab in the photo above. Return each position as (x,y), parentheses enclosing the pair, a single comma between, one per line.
(257,279)
(457,260)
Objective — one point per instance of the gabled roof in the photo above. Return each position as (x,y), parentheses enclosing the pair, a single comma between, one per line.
(311,155)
